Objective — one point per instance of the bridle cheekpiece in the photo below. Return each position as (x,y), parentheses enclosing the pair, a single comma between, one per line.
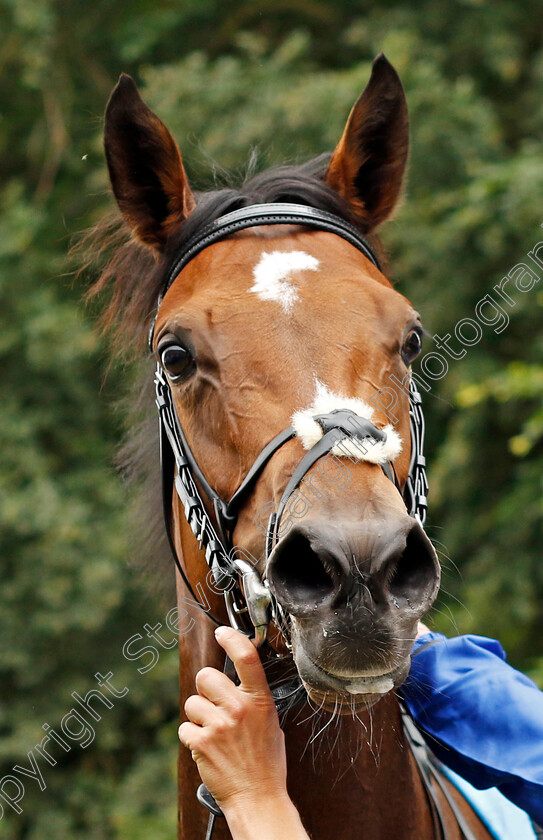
(249,602)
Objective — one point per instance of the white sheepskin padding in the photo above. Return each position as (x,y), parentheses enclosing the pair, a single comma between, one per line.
(309,432)
(273,275)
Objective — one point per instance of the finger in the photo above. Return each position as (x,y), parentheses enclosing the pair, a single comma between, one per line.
(246,660)
(200,710)
(215,686)
(188,734)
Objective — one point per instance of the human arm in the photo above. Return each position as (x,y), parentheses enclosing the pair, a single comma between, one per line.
(481,717)
(234,735)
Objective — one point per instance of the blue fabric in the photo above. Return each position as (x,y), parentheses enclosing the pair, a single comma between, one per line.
(502,818)
(479,716)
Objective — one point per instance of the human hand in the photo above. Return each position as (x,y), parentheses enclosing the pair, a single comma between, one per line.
(422,629)
(233,731)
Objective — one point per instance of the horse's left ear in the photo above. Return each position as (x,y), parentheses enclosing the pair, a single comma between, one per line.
(368,165)
(145,167)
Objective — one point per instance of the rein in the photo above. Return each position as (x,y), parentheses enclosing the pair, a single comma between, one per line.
(249,602)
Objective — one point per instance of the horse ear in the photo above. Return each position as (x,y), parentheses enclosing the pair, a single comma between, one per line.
(368,164)
(145,167)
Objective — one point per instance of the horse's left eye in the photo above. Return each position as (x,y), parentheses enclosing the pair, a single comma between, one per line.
(177,361)
(411,346)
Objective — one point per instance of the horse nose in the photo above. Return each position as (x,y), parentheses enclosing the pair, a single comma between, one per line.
(306,570)
(313,569)
(410,574)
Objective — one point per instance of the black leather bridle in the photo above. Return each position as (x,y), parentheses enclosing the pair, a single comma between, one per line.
(249,603)
(233,569)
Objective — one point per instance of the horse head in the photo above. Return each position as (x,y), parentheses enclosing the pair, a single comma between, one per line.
(281,325)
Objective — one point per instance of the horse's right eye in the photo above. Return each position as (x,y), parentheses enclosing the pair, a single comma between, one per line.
(177,361)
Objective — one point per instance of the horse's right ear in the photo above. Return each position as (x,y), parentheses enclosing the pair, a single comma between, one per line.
(145,167)
(368,165)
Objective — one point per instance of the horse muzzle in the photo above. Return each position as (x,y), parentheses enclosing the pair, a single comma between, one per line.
(354,595)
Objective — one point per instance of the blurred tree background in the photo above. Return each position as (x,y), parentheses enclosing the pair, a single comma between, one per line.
(230,78)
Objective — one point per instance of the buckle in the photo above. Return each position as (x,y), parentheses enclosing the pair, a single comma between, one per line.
(257,597)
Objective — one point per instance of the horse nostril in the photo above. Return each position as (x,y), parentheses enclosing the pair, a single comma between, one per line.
(416,574)
(298,574)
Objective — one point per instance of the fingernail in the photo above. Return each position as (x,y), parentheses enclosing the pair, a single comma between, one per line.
(220,632)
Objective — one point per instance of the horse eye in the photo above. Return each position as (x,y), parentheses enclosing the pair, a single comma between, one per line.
(412,347)
(177,361)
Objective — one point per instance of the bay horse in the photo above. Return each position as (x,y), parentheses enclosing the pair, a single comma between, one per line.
(271,323)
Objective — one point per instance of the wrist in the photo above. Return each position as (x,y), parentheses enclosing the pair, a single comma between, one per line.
(267,816)
(251,802)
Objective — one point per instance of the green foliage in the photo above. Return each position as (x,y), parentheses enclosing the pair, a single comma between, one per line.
(279,79)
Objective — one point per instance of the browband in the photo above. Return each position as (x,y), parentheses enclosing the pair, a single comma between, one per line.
(264,214)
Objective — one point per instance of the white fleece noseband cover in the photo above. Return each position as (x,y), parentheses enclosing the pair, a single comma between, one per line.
(310,432)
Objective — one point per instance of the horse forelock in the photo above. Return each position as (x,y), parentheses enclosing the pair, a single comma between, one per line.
(132,276)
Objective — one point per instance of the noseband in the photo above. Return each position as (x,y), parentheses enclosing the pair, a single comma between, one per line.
(249,602)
